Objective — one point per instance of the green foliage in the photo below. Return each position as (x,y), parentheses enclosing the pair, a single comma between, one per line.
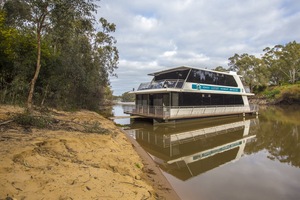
(138,165)
(279,66)
(259,89)
(270,94)
(288,94)
(283,63)
(285,94)
(253,71)
(27,119)
(220,69)
(128,97)
(76,61)
(95,128)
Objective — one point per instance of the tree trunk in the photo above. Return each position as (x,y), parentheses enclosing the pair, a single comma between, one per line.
(294,75)
(36,74)
(45,95)
(4,95)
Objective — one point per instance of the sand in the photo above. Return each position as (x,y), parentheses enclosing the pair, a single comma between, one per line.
(72,160)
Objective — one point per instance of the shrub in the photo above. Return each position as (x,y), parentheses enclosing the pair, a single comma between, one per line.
(271,93)
(289,94)
(28,119)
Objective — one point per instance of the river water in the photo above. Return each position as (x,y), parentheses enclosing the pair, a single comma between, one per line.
(227,158)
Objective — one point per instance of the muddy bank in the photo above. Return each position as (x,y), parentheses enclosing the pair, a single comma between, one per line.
(72,160)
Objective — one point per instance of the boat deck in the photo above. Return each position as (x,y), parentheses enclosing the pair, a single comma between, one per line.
(171,113)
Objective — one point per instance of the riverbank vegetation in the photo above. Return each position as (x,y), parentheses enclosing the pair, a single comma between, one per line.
(274,75)
(285,94)
(52,55)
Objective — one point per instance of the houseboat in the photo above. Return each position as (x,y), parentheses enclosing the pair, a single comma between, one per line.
(187,92)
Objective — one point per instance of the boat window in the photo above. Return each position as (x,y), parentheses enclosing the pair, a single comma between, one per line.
(166,99)
(172,75)
(158,100)
(145,99)
(139,99)
(201,99)
(179,84)
(214,78)
(189,99)
(175,98)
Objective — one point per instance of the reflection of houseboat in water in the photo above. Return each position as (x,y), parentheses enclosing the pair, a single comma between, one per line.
(186,92)
(195,151)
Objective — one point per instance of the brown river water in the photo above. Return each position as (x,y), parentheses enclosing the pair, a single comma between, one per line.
(227,158)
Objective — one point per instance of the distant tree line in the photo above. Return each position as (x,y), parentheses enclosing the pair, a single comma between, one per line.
(278,65)
(128,97)
(51,54)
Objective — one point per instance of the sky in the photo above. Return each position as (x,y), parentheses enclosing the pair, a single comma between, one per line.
(154,35)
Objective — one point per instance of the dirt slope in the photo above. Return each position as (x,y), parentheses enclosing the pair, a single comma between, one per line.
(69,160)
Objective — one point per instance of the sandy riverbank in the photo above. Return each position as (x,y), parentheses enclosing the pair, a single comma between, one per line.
(71,161)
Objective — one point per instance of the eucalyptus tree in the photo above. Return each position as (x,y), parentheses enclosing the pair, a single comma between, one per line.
(105,48)
(283,61)
(16,55)
(220,69)
(69,60)
(252,69)
(40,16)
(6,55)
(291,57)
(272,61)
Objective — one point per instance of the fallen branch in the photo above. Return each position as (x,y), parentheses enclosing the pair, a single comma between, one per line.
(6,122)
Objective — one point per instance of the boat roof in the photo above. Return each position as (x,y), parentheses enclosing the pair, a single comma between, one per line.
(182,68)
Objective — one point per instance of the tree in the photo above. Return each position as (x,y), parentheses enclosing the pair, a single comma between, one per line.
(75,61)
(252,69)
(16,55)
(128,97)
(271,60)
(6,54)
(220,69)
(291,58)
(42,15)
(105,46)
(283,62)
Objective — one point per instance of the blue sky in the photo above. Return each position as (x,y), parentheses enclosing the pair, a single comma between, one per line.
(154,35)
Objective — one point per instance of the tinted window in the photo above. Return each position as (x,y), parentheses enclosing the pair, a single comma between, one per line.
(172,75)
(207,77)
(201,99)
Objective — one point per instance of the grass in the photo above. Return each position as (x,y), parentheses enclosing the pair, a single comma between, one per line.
(95,128)
(38,121)
(44,120)
(282,94)
(138,165)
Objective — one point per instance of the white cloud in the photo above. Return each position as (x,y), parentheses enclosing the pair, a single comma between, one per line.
(169,53)
(154,34)
(144,23)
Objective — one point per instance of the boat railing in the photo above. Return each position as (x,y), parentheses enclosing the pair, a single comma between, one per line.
(167,83)
(169,112)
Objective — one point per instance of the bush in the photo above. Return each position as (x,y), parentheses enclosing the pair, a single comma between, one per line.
(259,89)
(28,119)
(289,94)
(271,93)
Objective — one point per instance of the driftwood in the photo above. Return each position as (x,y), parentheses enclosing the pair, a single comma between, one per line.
(6,122)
